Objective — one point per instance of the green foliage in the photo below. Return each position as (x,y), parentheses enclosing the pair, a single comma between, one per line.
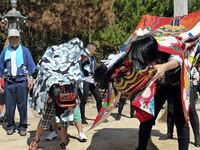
(107,23)
(113,37)
(193,5)
(127,14)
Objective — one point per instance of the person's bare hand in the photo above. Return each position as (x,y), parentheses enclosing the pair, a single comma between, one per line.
(161,69)
(1,89)
(30,84)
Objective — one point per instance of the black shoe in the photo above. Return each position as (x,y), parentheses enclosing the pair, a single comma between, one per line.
(63,146)
(197,144)
(10,131)
(166,137)
(197,141)
(84,121)
(22,133)
(71,123)
(3,119)
(118,117)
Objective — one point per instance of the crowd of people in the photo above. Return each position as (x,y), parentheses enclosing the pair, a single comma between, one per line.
(16,74)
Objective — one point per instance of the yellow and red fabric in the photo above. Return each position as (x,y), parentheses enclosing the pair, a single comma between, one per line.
(175,35)
(179,36)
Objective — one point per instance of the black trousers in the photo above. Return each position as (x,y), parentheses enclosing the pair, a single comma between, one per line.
(194,119)
(95,92)
(162,93)
(121,103)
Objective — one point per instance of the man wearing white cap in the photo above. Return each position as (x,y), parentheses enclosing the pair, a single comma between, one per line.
(16,68)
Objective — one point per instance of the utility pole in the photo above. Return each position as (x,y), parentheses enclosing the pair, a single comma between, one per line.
(180,7)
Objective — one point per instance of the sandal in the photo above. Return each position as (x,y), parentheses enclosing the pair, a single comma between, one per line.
(34,144)
(63,146)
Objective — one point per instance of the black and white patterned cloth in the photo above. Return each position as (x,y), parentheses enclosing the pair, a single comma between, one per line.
(59,65)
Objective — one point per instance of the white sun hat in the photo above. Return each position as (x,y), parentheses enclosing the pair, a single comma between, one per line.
(13,32)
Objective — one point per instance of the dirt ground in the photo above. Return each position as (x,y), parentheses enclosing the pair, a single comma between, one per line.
(112,135)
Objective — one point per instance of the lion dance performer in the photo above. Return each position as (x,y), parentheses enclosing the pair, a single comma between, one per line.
(56,88)
(155,64)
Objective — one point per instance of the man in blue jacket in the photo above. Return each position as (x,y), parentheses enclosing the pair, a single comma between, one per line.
(16,67)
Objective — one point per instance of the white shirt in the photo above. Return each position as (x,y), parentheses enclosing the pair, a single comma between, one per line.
(13,63)
(194,75)
(89,79)
(90,68)
(176,57)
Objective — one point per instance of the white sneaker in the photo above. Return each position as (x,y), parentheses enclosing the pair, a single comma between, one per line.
(82,137)
(51,136)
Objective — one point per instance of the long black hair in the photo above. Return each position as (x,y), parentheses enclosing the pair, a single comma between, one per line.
(103,74)
(144,50)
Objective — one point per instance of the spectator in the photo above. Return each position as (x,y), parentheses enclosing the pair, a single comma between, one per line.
(16,67)
(88,68)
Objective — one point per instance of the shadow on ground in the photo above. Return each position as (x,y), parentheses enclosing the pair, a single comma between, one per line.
(48,145)
(44,144)
(118,139)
